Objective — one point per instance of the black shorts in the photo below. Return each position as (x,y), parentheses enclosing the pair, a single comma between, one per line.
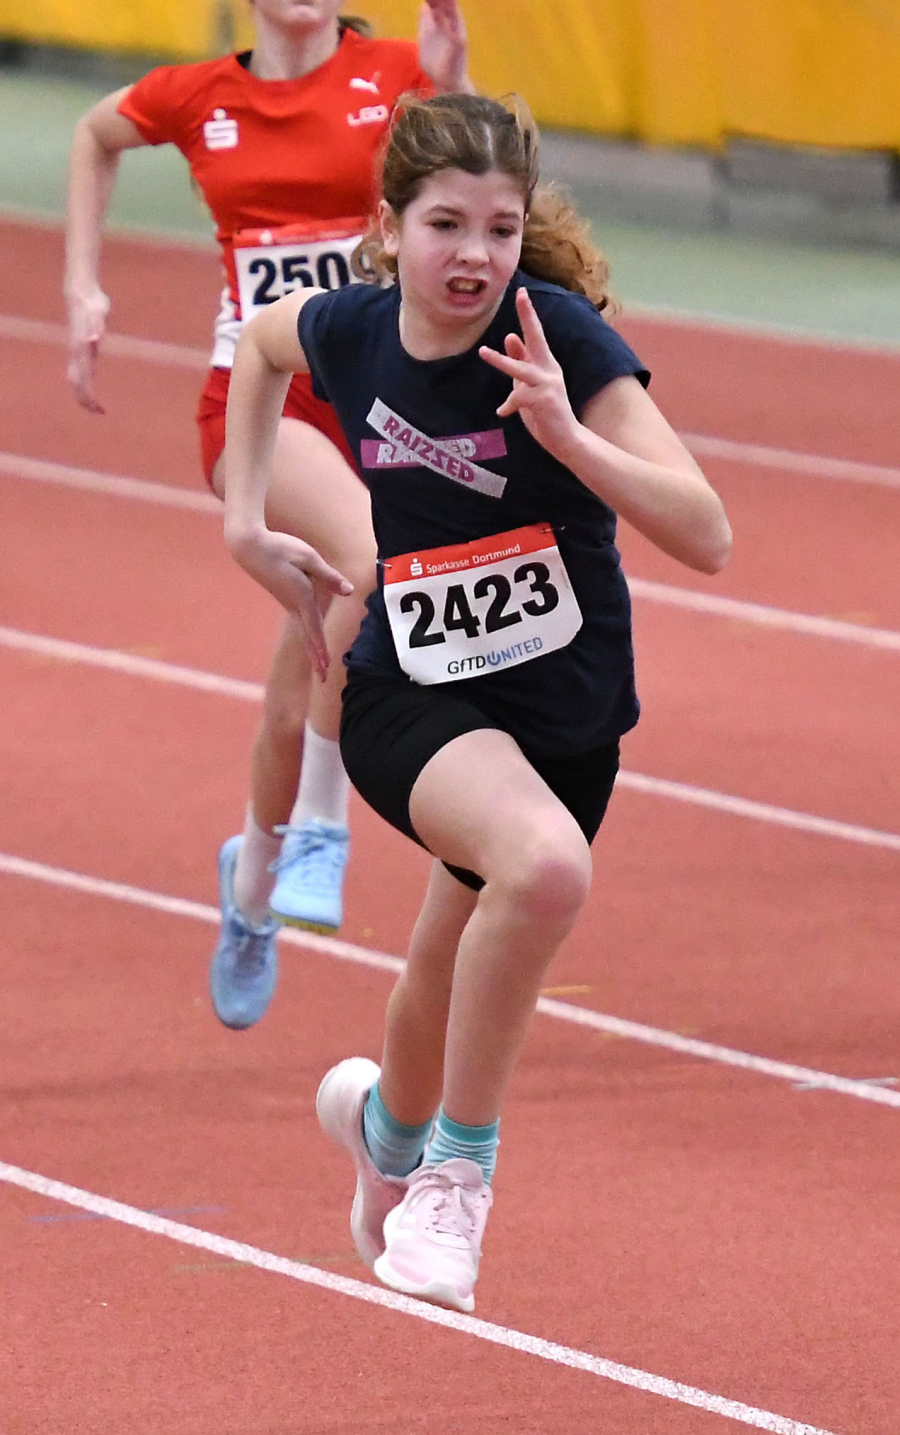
(391,728)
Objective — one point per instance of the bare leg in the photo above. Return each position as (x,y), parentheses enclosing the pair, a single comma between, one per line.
(416,1021)
(278,746)
(479,804)
(315,495)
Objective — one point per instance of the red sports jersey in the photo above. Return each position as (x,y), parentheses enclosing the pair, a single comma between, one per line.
(268,154)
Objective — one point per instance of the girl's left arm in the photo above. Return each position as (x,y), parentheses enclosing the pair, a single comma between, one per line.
(622,449)
(626,453)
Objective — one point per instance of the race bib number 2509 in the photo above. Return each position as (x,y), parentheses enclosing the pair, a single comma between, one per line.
(479,607)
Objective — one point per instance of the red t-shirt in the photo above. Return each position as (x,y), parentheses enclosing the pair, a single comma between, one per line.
(271,153)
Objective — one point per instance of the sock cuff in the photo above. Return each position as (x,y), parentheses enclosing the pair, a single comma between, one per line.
(467,1135)
(389,1123)
(395,1148)
(473,1143)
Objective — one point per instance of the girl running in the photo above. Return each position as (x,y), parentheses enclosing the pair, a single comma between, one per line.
(500,425)
(281,141)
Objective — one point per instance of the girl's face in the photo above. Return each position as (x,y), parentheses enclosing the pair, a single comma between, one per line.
(457,245)
(303,14)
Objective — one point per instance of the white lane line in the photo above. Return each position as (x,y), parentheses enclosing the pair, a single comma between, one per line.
(383,961)
(132,665)
(196,911)
(120,346)
(89,480)
(759,811)
(793,334)
(61,650)
(404,1305)
(760,456)
(128,346)
(742,612)
(113,485)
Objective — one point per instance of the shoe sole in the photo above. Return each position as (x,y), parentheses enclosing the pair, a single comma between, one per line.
(230,1025)
(325,929)
(435,1292)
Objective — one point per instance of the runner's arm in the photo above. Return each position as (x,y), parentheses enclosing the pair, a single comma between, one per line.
(268,354)
(623,449)
(443,46)
(97,143)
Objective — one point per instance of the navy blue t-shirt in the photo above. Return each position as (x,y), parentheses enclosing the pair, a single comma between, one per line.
(562,703)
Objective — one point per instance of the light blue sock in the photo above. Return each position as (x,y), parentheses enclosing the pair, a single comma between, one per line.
(474,1143)
(396,1149)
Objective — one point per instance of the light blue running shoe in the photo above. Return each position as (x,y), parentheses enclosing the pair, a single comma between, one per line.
(310,872)
(244,967)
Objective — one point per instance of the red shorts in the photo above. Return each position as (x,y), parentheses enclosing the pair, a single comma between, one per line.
(301,403)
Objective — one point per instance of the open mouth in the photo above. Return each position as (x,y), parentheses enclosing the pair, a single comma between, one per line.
(466,286)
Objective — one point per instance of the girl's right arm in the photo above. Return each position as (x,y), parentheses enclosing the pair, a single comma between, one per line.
(268,354)
(98,141)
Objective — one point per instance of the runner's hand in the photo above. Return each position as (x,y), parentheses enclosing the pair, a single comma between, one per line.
(442,45)
(87,323)
(539,391)
(297,576)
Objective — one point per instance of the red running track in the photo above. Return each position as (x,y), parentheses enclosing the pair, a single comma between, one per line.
(701,1223)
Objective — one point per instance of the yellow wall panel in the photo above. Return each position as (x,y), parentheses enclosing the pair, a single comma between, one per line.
(572,60)
(172,27)
(822,72)
(679,77)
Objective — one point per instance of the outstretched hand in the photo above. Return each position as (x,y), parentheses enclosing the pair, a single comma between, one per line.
(297,576)
(443,45)
(87,325)
(539,391)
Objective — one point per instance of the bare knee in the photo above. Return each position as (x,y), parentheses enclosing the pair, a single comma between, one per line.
(285,710)
(283,722)
(548,881)
(358,564)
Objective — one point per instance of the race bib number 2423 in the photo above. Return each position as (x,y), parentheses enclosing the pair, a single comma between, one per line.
(475,608)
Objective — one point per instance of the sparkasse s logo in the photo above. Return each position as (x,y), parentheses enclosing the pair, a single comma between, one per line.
(220,132)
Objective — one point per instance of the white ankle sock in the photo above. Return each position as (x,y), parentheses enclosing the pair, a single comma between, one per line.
(253,882)
(324,794)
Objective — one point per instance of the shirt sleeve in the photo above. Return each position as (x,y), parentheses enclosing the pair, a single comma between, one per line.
(153,104)
(588,349)
(312,331)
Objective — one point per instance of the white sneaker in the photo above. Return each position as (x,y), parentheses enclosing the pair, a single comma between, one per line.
(339,1107)
(433,1237)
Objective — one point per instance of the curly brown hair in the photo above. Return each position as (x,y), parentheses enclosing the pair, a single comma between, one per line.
(475,134)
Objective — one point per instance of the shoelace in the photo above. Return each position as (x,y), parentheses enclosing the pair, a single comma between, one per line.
(322,855)
(453,1214)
